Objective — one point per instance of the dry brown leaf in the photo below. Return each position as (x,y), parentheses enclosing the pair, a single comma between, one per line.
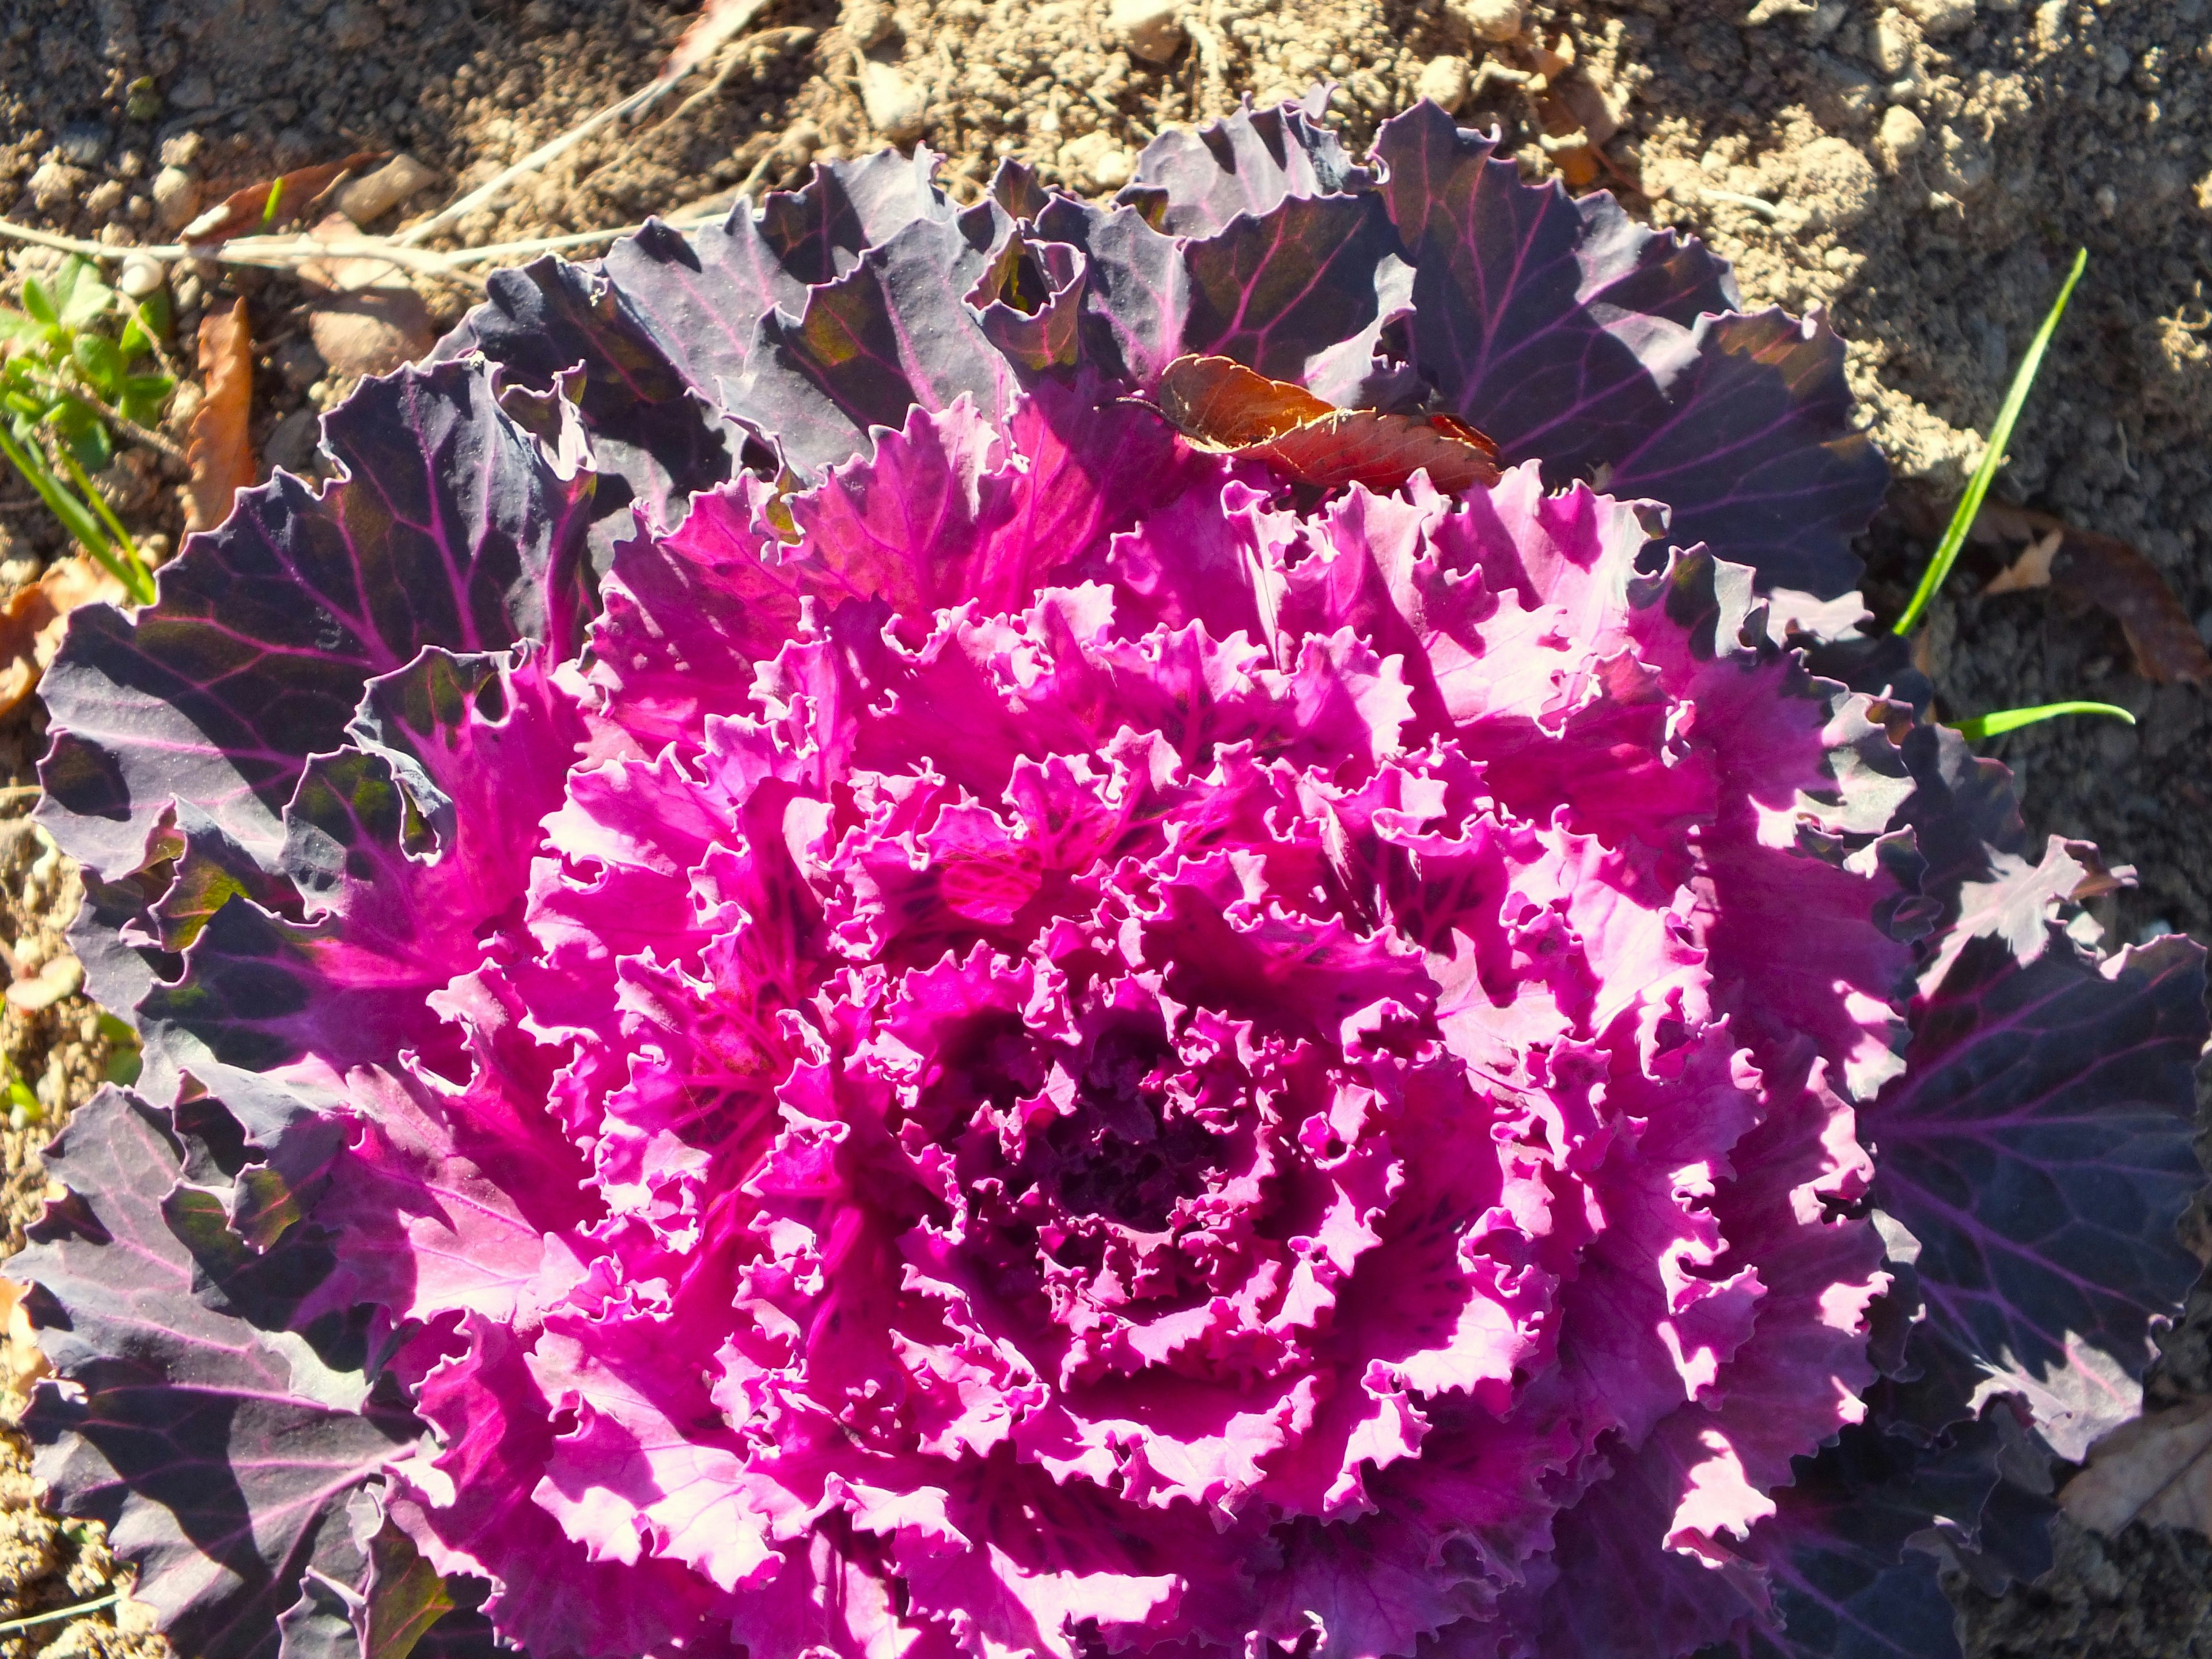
(220,449)
(2030,569)
(33,621)
(245,211)
(2156,1469)
(369,319)
(1223,407)
(2105,571)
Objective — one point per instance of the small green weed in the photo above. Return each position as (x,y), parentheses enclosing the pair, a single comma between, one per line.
(66,384)
(1970,505)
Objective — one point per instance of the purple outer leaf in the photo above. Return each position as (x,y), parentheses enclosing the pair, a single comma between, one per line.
(214,1443)
(1844,1580)
(1193,183)
(651,442)
(453,528)
(373,1596)
(893,333)
(2039,1146)
(1302,293)
(666,316)
(1569,333)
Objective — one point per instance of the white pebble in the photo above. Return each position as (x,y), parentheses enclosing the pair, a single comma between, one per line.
(142,276)
(176,196)
(371,198)
(1444,83)
(894,101)
(1152,30)
(1490,20)
(1937,18)
(1902,131)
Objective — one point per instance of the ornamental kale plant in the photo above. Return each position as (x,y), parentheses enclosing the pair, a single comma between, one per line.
(809,989)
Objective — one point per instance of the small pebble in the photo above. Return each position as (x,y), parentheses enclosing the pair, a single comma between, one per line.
(1893,42)
(299,363)
(1937,18)
(1902,131)
(868,22)
(83,142)
(1096,162)
(180,149)
(1152,30)
(188,291)
(176,196)
(291,444)
(104,198)
(894,101)
(142,276)
(1490,20)
(54,184)
(362,200)
(1444,83)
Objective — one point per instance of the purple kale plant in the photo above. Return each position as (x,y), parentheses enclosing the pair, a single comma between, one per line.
(807,989)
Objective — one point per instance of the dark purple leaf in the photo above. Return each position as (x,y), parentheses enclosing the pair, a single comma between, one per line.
(1572,335)
(1757,454)
(216,1445)
(453,527)
(893,333)
(667,316)
(374,1597)
(1193,182)
(2039,1148)
(1302,293)
(1846,1582)
(1137,293)
(1029,303)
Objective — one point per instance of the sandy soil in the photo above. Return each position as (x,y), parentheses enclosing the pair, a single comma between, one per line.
(1924,170)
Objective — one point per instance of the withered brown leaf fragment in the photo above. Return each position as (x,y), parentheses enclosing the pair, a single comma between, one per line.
(254,208)
(33,621)
(2107,573)
(1223,407)
(220,449)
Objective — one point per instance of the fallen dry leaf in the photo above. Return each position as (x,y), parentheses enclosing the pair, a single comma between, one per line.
(2030,569)
(2156,1469)
(220,449)
(368,319)
(35,617)
(2105,571)
(245,211)
(1223,407)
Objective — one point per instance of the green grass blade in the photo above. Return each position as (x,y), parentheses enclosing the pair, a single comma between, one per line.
(75,517)
(1954,536)
(132,570)
(2011,719)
